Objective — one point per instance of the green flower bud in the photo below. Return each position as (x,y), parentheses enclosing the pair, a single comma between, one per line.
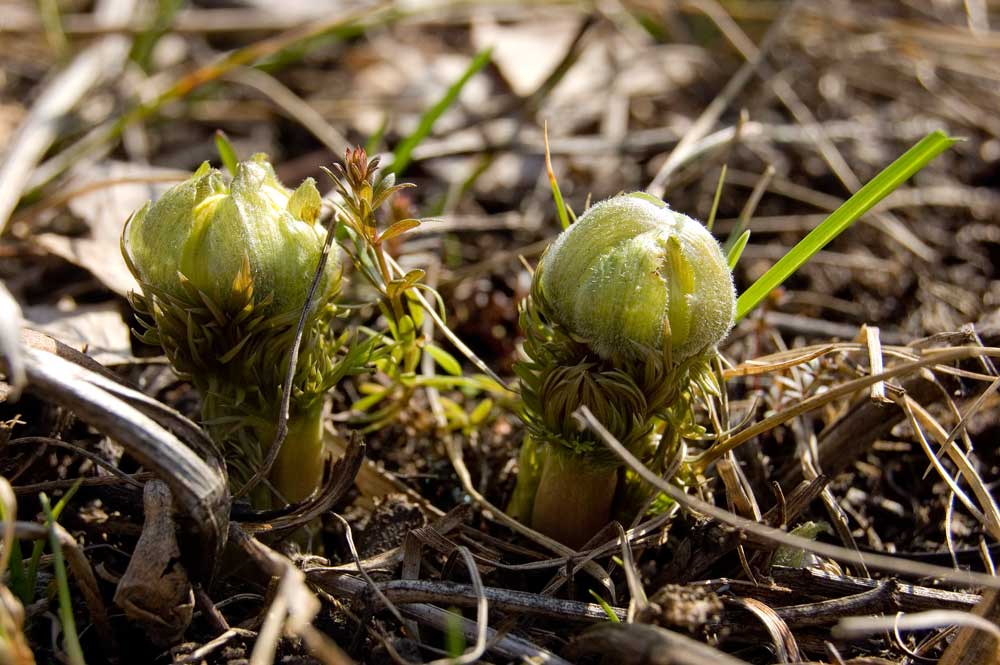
(225,271)
(207,234)
(625,311)
(632,274)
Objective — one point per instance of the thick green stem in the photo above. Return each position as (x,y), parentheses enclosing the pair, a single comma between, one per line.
(298,470)
(574,498)
(529,473)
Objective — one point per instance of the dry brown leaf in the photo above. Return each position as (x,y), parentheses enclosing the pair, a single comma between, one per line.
(97,330)
(104,210)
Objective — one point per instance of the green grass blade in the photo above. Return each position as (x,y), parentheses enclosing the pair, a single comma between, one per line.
(142,48)
(734,254)
(454,638)
(715,200)
(48,11)
(374,141)
(226,151)
(878,188)
(18,574)
(71,640)
(402,155)
(610,611)
(15,563)
(39,546)
(556,192)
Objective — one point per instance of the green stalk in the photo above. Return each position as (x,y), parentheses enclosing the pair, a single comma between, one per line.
(574,497)
(298,469)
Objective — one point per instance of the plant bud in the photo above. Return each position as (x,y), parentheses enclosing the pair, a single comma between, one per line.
(631,274)
(207,234)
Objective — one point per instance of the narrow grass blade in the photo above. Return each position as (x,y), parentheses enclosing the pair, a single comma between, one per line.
(71,641)
(715,200)
(39,547)
(375,140)
(48,11)
(142,48)
(878,188)
(454,638)
(610,611)
(226,151)
(556,192)
(733,257)
(10,556)
(18,574)
(404,151)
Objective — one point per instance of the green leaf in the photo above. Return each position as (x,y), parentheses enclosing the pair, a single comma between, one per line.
(444,359)
(226,151)
(478,383)
(454,414)
(369,401)
(71,640)
(554,184)
(18,576)
(401,157)
(610,611)
(840,219)
(481,412)
(144,43)
(39,546)
(415,309)
(737,249)
(648,198)
(413,277)
(407,329)
(398,229)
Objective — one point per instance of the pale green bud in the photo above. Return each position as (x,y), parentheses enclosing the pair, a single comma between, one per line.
(210,234)
(631,273)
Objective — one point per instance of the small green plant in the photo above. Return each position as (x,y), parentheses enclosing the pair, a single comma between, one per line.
(399,343)
(71,640)
(225,270)
(363,190)
(625,312)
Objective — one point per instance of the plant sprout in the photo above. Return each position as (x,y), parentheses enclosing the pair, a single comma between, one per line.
(225,270)
(625,312)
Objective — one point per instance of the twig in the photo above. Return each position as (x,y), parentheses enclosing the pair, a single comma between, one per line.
(771,536)
(504,600)
(293,608)
(210,647)
(642,644)
(508,646)
(288,385)
(200,488)
(78,450)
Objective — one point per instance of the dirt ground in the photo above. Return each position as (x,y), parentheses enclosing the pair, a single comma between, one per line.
(795,105)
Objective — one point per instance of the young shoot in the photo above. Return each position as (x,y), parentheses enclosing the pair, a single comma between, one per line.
(626,309)
(225,269)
